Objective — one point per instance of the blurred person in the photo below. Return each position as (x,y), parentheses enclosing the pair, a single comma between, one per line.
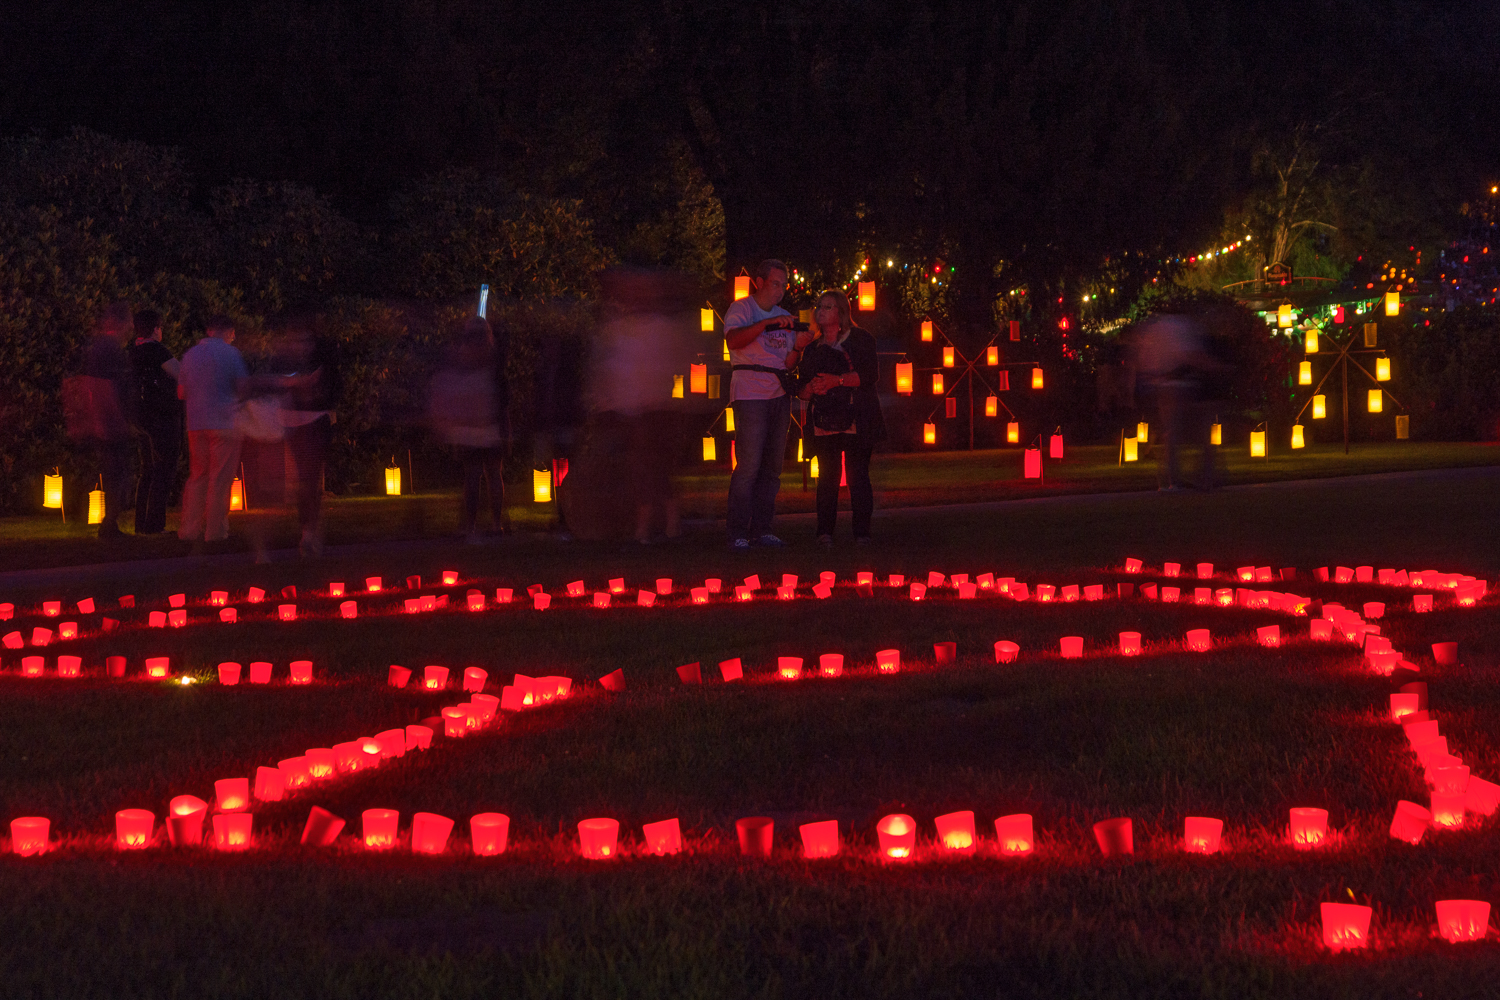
(558,412)
(159,414)
(99,404)
(838,374)
(209,381)
(765,350)
(308,415)
(1173,359)
(469,404)
(647,334)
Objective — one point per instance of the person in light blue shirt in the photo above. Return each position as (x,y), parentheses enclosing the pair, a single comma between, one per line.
(213,373)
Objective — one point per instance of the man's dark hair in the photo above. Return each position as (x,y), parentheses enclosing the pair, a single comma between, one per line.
(147,322)
(764,268)
(218,323)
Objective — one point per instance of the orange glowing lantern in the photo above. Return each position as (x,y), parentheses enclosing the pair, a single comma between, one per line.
(1199,640)
(1202,835)
(321,763)
(133,829)
(29,835)
(698,378)
(1015,834)
(286,612)
(380,828)
(488,833)
(897,834)
(992,356)
(429,833)
(927,331)
(1375,400)
(1268,635)
(158,666)
(831,664)
(992,406)
(929,434)
(33,666)
(185,815)
(1345,926)
(260,672)
(294,772)
(1115,836)
(301,671)
(232,794)
(1462,920)
(435,678)
(1036,378)
(1130,643)
(1448,809)
(232,831)
(937,383)
(1393,303)
(1410,822)
(866,296)
(1308,827)
(888,661)
(789,668)
(475,678)
(228,615)
(663,838)
(455,721)
(820,840)
(955,831)
(69,666)
(598,839)
(270,784)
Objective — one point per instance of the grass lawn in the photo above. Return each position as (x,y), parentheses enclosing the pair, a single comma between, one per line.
(1241,733)
(901,480)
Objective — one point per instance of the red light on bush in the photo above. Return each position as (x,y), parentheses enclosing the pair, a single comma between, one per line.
(598,839)
(1345,926)
(1202,835)
(820,840)
(380,828)
(488,833)
(663,838)
(1115,836)
(133,829)
(1462,920)
(897,833)
(955,831)
(1015,834)
(1307,827)
(29,835)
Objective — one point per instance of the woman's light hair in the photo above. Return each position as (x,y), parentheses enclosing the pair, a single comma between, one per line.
(841,303)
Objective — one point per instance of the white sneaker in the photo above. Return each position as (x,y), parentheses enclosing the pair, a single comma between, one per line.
(740,545)
(770,541)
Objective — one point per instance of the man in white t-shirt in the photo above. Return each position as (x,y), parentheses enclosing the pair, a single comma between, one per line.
(760,335)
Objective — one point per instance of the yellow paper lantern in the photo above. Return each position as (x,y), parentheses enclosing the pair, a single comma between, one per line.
(1310,342)
(992,406)
(948,357)
(1216,435)
(903,378)
(713,387)
(937,384)
(929,433)
(1012,433)
(1320,407)
(710,449)
(392,485)
(866,296)
(237,491)
(1036,378)
(52,495)
(800,459)
(698,378)
(677,381)
(541,485)
(741,287)
(812,467)
(927,331)
(1376,400)
(729,420)
(706,320)
(1257,444)
(726,350)
(1132,450)
(805,316)
(1393,303)
(992,356)
(1403,427)
(1382,369)
(1304,373)
(1284,315)
(1143,432)
(96,507)
(1298,440)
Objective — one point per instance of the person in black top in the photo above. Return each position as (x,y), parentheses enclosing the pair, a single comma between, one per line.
(839,373)
(159,413)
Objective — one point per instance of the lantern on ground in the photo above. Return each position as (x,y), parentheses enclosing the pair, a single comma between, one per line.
(1130,643)
(1006,651)
(488,833)
(1304,373)
(789,668)
(1461,920)
(756,834)
(888,661)
(1298,438)
(380,828)
(955,831)
(29,834)
(663,838)
(598,839)
(322,828)
(898,837)
(541,485)
(866,296)
(1202,835)
(1015,834)
(232,794)
(429,833)
(270,784)
(232,831)
(1072,647)
(1115,836)
(820,840)
(185,815)
(1410,822)
(1307,827)
(133,829)
(1345,926)
(831,664)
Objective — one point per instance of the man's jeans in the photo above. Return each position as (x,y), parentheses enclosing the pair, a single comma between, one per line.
(760,446)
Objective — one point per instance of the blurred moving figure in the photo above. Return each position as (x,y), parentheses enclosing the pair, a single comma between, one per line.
(159,413)
(469,410)
(308,414)
(1173,359)
(648,334)
(99,405)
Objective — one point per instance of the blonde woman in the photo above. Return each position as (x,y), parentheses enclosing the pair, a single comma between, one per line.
(838,375)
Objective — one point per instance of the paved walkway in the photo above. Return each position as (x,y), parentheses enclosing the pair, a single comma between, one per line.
(152,567)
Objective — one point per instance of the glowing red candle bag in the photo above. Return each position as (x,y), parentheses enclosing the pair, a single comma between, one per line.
(731,670)
(33,666)
(1202,835)
(1307,827)
(1462,920)
(429,832)
(1072,646)
(270,784)
(301,671)
(322,828)
(1006,651)
(488,833)
(897,833)
(158,666)
(888,661)
(598,838)
(185,820)
(133,829)
(820,840)
(1130,643)
(1410,822)
(664,837)
(294,772)
(232,831)
(29,835)
(756,834)
(955,830)
(789,668)
(1115,836)
(1015,833)
(1345,926)
(260,672)
(380,828)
